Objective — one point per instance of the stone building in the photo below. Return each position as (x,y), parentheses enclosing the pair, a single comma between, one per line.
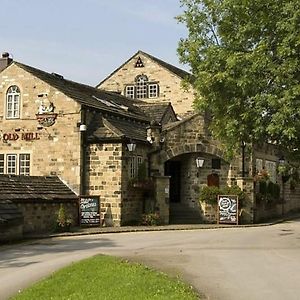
(134,141)
(146,77)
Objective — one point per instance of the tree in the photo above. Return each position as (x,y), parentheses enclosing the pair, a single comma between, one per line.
(245,58)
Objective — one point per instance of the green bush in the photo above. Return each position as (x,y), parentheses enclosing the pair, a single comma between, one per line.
(209,194)
(151,219)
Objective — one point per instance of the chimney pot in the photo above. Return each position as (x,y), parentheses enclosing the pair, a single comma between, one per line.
(5,55)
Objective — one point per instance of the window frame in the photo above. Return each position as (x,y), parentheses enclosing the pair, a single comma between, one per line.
(13,103)
(15,163)
(142,88)
(134,164)
(9,162)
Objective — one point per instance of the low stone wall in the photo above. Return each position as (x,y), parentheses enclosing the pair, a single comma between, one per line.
(41,216)
(11,232)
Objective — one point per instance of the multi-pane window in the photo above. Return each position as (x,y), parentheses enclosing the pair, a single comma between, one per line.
(153,90)
(13,102)
(15,164)
(11,164)
(142,88)
(270,167)
(24,164)
(129,91)
(135,162)
(1,163)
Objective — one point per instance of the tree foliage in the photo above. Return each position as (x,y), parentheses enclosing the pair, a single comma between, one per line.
(245,58)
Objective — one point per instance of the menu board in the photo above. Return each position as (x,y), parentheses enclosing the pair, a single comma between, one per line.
(89,210)
(228,209)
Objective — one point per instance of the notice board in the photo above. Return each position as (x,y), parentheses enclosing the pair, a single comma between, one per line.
(89,210)
(228,209)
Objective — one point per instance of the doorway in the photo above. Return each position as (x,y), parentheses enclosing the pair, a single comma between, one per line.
(173,169)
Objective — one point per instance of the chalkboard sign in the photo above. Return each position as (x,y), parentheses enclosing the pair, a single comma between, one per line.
(89,210)
(228,209)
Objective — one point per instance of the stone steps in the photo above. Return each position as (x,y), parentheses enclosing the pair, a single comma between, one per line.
(183,214)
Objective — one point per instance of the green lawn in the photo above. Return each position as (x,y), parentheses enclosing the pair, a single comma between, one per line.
(104,277)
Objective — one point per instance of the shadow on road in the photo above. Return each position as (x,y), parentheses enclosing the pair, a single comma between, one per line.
(14,256)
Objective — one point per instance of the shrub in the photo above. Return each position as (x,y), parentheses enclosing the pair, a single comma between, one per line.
(151,219)
(63,221)
(209,194)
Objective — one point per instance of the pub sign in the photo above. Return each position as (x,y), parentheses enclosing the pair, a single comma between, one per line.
(89,210)
(228,209)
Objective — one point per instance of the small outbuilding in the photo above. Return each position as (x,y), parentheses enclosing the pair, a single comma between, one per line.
(37,200)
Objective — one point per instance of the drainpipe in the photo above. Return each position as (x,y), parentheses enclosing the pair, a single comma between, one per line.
(83,146)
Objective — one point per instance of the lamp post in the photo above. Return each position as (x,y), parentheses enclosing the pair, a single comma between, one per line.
(283,179)
(243,146)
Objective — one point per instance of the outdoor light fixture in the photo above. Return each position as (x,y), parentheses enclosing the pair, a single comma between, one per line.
(131,146)
(199,162)
(281,160)
(82,127)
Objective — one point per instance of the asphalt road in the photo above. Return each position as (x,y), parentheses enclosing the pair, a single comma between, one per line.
(233,263)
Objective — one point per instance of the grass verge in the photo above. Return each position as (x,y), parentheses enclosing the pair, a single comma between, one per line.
(106,278)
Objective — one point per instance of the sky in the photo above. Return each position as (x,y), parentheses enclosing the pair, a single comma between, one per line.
(86,40)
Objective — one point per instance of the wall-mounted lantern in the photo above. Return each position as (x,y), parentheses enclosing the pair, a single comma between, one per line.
(131,146)
(281,160)
(82,127)
(199,162)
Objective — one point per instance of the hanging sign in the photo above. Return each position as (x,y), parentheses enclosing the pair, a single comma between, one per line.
(89,210)
(228,209)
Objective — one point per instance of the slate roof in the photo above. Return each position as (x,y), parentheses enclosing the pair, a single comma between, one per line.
(33,188)
(9,213)
(175,70)
(89,96)
(117,128)
(156,111)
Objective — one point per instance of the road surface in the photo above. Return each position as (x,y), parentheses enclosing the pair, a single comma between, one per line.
(233,263)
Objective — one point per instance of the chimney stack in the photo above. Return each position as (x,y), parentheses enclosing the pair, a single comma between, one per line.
(5,60)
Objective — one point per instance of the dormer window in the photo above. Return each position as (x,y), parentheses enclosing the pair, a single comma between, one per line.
(142,88)
(13,103)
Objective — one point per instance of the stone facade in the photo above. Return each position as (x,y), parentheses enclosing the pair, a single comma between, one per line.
(170,83)
(53,150)
(41,216)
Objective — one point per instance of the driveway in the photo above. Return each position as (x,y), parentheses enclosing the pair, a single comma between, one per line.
(231,263)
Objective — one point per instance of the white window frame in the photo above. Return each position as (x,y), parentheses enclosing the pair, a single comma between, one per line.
(24,164)
(11,164)
(129,91)
(15,163)
(142,89)
(13,97)
(153,90)
(2,164)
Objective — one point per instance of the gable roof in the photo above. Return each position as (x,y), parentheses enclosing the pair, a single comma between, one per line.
(112,128)
(33,188)
(157,111)
(175,70)
(87,95)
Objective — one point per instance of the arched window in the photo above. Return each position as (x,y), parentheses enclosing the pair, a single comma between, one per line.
(13,102)
(142,88)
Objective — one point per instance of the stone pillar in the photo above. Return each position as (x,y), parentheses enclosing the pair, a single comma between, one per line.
(161,193)
(247,212)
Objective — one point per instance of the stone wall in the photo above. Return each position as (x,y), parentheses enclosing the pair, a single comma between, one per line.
(41,216)
(104,179)
(170,85)
(53,150)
